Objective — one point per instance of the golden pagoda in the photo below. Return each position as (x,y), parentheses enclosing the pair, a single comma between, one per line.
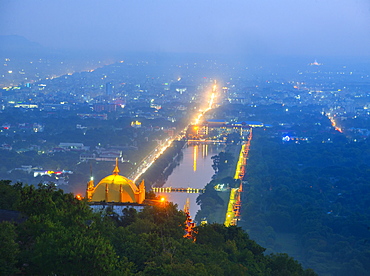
(115,188)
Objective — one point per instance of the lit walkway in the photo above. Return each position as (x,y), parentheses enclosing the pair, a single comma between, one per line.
(229,220)
(233,207)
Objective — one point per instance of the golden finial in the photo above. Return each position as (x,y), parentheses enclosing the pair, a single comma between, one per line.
(116,169)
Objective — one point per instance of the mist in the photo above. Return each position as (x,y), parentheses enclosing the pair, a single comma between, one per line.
(243,28)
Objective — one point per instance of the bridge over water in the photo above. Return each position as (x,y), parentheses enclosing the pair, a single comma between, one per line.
(178,190)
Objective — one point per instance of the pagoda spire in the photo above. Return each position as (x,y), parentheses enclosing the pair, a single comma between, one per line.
(116,168)
(190,232)
(90,186)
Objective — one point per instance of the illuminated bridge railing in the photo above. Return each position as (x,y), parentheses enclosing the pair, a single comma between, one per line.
(178,190)
(206,141)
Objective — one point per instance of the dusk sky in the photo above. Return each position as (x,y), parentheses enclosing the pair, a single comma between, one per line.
(251,27)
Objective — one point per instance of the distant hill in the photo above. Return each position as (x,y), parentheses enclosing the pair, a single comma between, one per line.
(15,44)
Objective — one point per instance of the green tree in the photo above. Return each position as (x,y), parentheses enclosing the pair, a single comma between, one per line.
(283,265)
(9,249)
(9,194)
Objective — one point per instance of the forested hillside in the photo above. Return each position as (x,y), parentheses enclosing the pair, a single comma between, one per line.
(55,234)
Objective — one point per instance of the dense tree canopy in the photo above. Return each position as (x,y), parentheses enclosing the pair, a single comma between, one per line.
(60,235)
(310,200)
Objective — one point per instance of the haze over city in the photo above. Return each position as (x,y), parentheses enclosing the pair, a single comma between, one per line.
(268,27)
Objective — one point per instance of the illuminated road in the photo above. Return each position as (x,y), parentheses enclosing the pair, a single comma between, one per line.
(152,156)
(333,123)
(210,101)
(150,159)
(230,215)
(233,207)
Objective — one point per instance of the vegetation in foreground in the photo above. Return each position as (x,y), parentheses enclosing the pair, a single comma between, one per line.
(55,234)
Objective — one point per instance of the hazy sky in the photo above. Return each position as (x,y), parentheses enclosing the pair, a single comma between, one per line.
(298,27)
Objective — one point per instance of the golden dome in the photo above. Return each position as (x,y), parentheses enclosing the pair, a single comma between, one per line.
(116,188)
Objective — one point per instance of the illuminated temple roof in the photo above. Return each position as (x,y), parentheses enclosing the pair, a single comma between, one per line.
(115,188)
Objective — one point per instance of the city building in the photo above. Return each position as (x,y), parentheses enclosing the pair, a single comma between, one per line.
(73,146)
(108,89)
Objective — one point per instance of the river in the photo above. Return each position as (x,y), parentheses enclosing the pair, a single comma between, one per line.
(195,171)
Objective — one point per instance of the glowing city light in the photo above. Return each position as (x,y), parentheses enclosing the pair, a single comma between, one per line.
(334,124)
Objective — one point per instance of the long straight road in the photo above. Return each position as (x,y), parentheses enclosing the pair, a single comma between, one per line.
(153,155)
(233,207)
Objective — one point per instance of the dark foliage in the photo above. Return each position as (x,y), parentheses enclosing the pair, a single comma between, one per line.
(315,193)
(62,236)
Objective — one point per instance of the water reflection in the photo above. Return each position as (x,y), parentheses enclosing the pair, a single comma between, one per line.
(195,157)
(195,171)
